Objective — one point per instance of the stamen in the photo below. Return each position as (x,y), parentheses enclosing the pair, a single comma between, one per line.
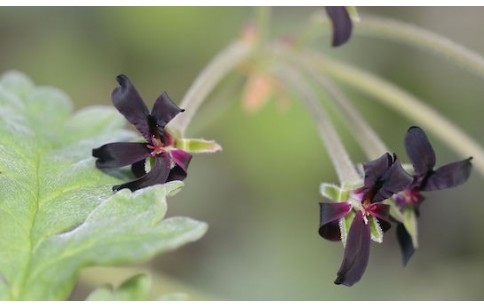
(156,145)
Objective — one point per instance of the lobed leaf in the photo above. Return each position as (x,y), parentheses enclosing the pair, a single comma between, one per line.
(135,288)
(57,211)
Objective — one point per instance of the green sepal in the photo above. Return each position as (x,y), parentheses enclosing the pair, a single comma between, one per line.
(197,145)
(375,229)
(410,223)
(395,211)
(333,192)
(344,226)
(136,288)
(353,12)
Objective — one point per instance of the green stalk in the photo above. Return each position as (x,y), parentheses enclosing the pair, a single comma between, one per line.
(400,32)
(206,81)
(406,33)
(344,167)
(403,102)
(368,139)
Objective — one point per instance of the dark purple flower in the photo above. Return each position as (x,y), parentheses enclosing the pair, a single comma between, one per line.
(168,162)
(342,25)
(383,178)
(423,159)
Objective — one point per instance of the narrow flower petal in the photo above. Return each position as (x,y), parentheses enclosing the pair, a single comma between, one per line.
(181,158)
(342,25)
(138,168)
(127,100)
(176,174)
(330,214)
(448,176)
(380,210)
(164,110)
(393,181)
(375,169)
(157,175)
(405,242)
(419,150)
(119,154)
(357,252)
(179,171)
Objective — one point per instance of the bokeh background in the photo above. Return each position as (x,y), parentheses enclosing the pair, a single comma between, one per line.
(260,194)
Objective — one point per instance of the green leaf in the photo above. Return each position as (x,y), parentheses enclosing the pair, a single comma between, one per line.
(197,145)
(333,192)
(136,288)
(57,211)
(173,297)
(410,223)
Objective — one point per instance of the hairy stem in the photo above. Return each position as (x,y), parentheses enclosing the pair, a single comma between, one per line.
(406,33)
(403,102)
(344,167)
(206,81)
(368,139)
(400,32)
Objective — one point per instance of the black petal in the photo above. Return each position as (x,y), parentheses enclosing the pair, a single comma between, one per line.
(164,110)
(394,180)
(127,100)
(157,175)
(330,214)
(176,174)
(375,169)
(448,176)
(119,154)
(357,253)
(405,242)
(419,150)
(138,168)
(342,25)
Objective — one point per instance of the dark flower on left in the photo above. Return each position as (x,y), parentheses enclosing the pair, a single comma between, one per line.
(168,163)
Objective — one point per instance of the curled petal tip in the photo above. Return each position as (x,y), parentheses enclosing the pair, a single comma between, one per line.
(122,79)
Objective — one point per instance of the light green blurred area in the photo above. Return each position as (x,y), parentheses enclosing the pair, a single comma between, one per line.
(260,194)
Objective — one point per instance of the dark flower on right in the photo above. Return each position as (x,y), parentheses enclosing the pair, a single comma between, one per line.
(422,157)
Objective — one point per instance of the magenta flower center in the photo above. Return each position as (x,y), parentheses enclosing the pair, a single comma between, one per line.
(156,146)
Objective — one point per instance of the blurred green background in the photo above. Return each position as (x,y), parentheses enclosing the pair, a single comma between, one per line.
(260,194)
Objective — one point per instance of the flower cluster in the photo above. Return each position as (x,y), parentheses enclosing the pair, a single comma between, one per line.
(422,156)
(165,156)
(170,163)
(364,214)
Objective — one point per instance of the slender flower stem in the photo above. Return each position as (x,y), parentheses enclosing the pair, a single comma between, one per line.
(400,32)
(415,36)
(206,81)
(403,102)
(368,139)
(344,167)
